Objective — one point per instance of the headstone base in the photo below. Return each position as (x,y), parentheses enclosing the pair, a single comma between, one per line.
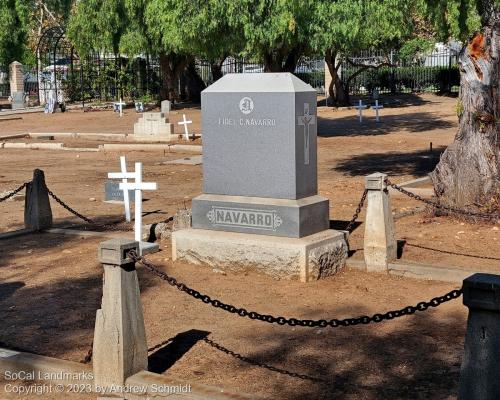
(309,258)
(148,248)
(260,215)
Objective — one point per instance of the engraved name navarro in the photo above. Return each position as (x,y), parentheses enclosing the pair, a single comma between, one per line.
(244,218)
(247,121)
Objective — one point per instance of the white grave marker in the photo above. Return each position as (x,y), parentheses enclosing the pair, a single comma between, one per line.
(138,186)
(360,107)
(120,105)
(377,107)
(185,123)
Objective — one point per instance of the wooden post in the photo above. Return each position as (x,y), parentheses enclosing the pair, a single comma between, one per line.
(120,348)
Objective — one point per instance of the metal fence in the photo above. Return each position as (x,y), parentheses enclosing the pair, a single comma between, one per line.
(310,70)
(4,81)
(434,72)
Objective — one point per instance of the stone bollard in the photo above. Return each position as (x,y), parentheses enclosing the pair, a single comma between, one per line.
(480,372)
(380,246)
(120,348)
(37,211)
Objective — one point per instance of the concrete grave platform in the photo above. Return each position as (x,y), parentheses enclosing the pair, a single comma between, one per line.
(154,124)
(305,259)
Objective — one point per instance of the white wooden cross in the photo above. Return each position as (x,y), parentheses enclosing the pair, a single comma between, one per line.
(360,108)
(138,186)
(377,107)
(306,120)
(120,106)
(185,123)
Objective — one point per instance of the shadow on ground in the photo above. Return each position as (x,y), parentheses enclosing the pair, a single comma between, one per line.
(417,163)
(350,126)
(421,361)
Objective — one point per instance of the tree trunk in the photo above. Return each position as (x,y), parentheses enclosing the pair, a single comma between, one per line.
(216,68)
(281,61)
(336,91)
(469,170)
(171,66)
(273,62)
(194,83)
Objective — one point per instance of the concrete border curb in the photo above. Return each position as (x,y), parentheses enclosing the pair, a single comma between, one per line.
(64,372)
(151,147)
(422,271)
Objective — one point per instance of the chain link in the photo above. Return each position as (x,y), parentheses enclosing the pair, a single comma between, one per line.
(361,203)
(71,210)
(14,192)
(441,206)
(322,323)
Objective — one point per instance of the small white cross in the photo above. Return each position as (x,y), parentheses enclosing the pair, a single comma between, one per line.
(185,123)
(360,108)
(377,107)
(138,186)
(120,106)
(306,120)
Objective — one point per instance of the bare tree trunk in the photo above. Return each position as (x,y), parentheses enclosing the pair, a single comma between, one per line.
(336,91)
(469,170)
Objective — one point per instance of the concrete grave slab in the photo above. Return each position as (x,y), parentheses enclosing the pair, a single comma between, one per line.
(192,160)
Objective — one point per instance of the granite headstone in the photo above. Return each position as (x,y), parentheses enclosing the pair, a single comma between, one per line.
(113,192)
(260,157)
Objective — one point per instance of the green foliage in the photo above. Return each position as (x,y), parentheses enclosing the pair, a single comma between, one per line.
(453,18)
(13,32)
(348,26)
(415,48)
(272,25)
(97,25)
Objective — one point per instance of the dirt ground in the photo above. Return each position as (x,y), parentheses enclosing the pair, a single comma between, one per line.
(51,284)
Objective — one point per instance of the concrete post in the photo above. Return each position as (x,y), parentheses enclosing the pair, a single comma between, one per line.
(37,211)
(480,372)
(120,348)
(380,246)
(16,78)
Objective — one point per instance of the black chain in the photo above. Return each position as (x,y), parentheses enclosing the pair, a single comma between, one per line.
(14,192)
(322,323)
(441,206)
(451,252)
(350,226)
(71,210)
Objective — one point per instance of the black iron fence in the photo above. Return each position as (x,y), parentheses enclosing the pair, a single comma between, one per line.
(310,70)
(433,72)
(106,77)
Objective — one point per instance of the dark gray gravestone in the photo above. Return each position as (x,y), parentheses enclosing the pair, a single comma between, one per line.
(37,211)
(114,193)
(260,157)
(480,373)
